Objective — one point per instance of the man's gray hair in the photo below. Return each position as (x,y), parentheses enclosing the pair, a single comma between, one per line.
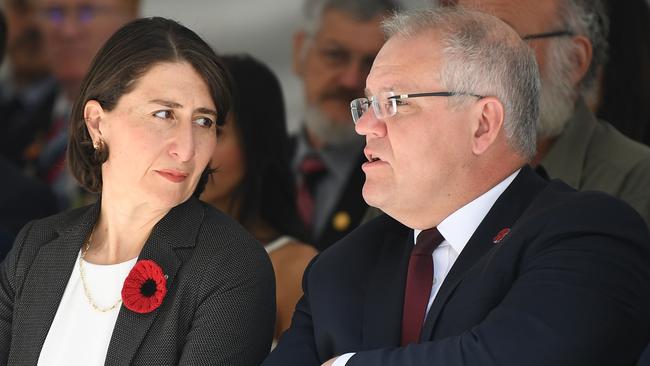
(361,10)
(482,56)
(588,18)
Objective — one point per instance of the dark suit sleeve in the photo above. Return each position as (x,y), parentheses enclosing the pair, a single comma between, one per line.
(234,325)
(297,345)
(7,293)
(580,298)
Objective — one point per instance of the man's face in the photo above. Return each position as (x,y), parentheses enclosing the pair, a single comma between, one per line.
(74,30)
(422,150)
(525,17)
(24,42)
(335,62)
(528,17)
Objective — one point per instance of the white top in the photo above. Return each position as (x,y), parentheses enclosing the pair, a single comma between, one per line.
(457,229)
(278,243)
(79,334)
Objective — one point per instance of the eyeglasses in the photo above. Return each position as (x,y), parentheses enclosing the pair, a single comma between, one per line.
(83,14)
(386,104)
(559,33)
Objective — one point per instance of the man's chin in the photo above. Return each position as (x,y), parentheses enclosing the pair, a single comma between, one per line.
(371,193)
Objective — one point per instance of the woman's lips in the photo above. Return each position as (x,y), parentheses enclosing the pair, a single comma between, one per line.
(173,175)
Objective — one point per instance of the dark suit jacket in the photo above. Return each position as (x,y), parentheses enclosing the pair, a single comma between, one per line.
(22,198)
(219,308)
(350,203)
(21,126)
(569,285)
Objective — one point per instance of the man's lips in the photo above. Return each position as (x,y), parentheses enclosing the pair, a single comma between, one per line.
(173,175)
(371,156)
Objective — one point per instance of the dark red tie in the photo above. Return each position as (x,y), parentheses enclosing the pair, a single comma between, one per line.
(418,285)
(311,170)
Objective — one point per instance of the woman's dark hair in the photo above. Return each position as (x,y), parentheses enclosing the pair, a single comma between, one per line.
(118,65)
(625,86)
(268,186)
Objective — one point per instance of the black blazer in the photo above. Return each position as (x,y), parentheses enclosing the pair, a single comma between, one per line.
(219,308)
(349,210)
(569,285)
(22,198)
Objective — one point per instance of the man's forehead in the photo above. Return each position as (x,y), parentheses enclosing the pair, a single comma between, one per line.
(339,26)
(81,2)
(525,16)
(404,67)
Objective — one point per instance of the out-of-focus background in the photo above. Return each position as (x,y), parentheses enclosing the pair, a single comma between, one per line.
(258,27)
(261,28)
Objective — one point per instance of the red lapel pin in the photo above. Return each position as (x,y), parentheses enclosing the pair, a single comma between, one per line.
(502,234)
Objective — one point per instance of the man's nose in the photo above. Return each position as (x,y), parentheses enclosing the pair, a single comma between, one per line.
(353,75)
(369,124)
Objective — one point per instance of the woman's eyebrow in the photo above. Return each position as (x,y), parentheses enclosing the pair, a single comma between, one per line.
(171,104)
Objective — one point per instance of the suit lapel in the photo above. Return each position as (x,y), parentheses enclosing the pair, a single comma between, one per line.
(503,214)
(46,282)
(385,292)
(179,228)
(349,210)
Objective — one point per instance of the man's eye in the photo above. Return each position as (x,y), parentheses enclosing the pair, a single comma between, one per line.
(400,102)
(204,122)
(163,114)
(336,56)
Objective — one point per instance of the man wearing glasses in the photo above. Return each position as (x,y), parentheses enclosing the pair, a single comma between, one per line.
(569,38)
(478,260)
(332,54)
(73,31)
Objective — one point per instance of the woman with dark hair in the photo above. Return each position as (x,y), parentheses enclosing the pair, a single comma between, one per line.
(253,182)
(149,274)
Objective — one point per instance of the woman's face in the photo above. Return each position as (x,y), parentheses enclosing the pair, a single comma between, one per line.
(160,136)
(228,159)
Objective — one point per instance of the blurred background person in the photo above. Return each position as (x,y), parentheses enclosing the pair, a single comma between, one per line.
(253,182)
(624,81)
(27,91)
(148,274)
(569,38)
(22,199)
(72,32)
(332,54)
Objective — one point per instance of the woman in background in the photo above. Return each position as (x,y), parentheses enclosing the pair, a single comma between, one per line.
(253,182)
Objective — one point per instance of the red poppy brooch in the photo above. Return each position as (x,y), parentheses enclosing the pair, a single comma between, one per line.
(500,235)
(145,287)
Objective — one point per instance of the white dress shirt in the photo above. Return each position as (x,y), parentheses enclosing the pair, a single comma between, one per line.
(79,334)
(456,229)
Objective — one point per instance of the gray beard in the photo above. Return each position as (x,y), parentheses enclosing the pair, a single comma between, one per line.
(328,132)
(557,99)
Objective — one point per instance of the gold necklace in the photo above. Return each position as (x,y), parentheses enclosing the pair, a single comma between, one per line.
(82,272)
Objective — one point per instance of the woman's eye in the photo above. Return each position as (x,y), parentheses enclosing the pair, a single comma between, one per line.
(164,114)
(204,122)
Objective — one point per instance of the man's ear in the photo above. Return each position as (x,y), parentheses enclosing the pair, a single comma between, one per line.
(581,58)
(93,116)
(490,113)
(300,42)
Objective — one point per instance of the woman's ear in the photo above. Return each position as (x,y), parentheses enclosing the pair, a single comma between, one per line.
(93,115)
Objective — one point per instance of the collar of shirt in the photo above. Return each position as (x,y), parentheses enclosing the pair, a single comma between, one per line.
(339,160)
(459,227)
